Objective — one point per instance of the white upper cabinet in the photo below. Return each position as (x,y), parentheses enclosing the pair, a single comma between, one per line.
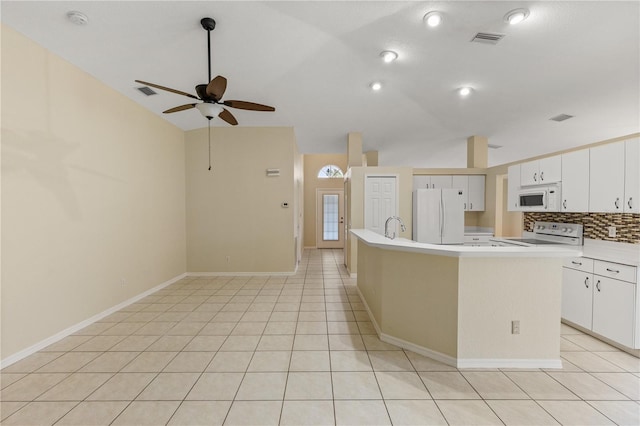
(441,182)
(432,182)
(606,178)
(540,172)
(513,184)
(632,176)
(476,192)
(575,181)
(472,187)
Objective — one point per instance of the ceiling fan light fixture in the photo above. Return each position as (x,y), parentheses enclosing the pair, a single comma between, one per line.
(433,18)
(516,16)
(376,86)
(209,110)
(77,18)
(388,56)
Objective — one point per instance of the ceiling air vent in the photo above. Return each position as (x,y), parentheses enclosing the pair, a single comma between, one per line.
(487,38)
(146,90)
(561,117)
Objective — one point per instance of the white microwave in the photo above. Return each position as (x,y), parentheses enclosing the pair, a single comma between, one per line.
(543,198)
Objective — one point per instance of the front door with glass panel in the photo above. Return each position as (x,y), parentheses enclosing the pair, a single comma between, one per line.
(330,219)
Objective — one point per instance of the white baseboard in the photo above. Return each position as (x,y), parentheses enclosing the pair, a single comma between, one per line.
(11,359)
(458,362)
(241,274)
(509,363)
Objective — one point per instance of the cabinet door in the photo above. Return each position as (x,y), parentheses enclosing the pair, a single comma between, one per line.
(461,182)
(606,178)
(575,181)
(529,173)
(513,185)
(613,305)
(441,182)
(632,176)
(577,297)
(550,169)
(476,193)
(421,182)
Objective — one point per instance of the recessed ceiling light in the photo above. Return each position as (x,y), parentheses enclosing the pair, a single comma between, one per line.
(465,91)
(433,19)
(375,86)
(388,56)
(516,16)
(77,18)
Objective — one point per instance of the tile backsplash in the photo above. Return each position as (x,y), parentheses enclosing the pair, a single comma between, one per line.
(595,224)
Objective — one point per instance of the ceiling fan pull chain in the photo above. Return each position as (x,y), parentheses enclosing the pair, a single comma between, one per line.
(209,144)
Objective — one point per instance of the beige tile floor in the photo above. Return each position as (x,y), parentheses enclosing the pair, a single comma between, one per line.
(294,350)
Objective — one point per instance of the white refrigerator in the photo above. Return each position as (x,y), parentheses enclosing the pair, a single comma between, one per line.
(438,216)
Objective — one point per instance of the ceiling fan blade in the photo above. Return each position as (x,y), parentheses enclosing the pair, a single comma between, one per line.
(179,108)
(248,105)
(216,87)
(179,92)
(228,117)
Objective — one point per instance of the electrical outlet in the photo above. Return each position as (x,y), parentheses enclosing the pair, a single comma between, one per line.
(515,327)
(228,258)
(612,231)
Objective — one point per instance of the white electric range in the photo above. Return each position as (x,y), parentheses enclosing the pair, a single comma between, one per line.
(545,233)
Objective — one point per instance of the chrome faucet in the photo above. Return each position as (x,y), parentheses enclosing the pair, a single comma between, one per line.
(386,227)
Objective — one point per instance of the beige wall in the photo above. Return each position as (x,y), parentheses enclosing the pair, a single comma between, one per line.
(92,193)
(235,210)
(312,165)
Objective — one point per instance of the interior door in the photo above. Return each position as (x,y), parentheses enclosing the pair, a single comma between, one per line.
(330,219)
(379,202)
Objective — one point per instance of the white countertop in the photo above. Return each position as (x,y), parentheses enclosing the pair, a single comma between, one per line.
(402,244)
(477,230)
(628,254)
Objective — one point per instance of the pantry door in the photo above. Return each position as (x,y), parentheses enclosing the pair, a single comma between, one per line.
(330,218)
(380,203)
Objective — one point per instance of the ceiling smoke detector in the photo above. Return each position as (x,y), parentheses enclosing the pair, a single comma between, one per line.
(77,18)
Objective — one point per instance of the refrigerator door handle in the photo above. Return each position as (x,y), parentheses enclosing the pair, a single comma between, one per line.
(442,216)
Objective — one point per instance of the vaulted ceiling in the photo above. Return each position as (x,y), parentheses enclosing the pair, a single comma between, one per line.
(315,61)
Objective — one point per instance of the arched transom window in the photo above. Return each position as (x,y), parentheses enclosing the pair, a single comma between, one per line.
(330,171)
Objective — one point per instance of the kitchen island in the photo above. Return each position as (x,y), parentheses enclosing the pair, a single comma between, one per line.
(469,307)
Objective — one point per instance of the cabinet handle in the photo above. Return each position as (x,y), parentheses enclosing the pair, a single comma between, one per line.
(629,202)
(465,206)
(476,239)
(576,263)
(598,285)
(586,282)
(541,176)
(564,204)
(617,203)
(613,270)
(535,177)
(470,206)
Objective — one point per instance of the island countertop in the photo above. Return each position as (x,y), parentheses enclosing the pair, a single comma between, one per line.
(402,244)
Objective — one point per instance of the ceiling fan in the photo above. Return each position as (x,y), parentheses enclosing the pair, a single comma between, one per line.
(211,94)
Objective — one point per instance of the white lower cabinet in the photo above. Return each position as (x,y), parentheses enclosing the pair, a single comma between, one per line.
(601,296)
(577,297)
(613,313)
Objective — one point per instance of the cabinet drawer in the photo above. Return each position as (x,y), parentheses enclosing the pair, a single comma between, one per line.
(580,263)
(476,238)
(615,270)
